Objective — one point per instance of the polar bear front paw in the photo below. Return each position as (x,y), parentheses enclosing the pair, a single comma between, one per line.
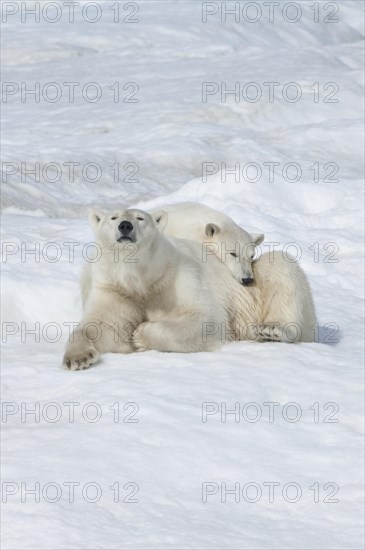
(81,360)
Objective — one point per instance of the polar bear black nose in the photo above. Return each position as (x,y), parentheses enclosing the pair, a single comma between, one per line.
(125,227)
(246,282)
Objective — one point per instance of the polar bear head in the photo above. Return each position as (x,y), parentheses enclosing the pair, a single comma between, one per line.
(124,226)
(218,234)
(234,247)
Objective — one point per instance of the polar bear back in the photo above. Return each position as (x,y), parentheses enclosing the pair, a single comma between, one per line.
(187,220)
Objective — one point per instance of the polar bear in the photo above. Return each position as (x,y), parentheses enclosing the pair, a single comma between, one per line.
(218,233)
(146,291)
(276,303)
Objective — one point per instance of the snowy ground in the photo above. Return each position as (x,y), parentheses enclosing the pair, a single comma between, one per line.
(166,458)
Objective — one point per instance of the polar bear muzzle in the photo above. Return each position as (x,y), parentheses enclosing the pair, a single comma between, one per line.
(125,229)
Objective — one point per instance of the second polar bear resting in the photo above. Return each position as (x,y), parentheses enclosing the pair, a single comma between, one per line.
(147,291)
(278,291)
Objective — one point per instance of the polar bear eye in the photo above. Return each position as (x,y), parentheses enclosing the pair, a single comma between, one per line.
(139,218)
(113,218)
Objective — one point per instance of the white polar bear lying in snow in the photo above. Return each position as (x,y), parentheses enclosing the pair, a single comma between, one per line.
(221,236)
(146,292)
(149,291)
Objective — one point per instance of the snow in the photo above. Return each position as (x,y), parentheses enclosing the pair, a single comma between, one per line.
(171,452)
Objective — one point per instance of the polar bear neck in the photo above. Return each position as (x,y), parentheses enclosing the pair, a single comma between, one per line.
(149,270)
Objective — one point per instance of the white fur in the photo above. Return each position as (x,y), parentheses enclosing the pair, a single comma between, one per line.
(157,293)
(218,233)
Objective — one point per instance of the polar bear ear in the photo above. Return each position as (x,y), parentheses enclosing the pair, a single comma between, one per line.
(95,218)
(258,239)
(160,219)
(211,229)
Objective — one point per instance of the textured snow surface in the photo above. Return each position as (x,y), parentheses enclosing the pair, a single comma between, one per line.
(169,454)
